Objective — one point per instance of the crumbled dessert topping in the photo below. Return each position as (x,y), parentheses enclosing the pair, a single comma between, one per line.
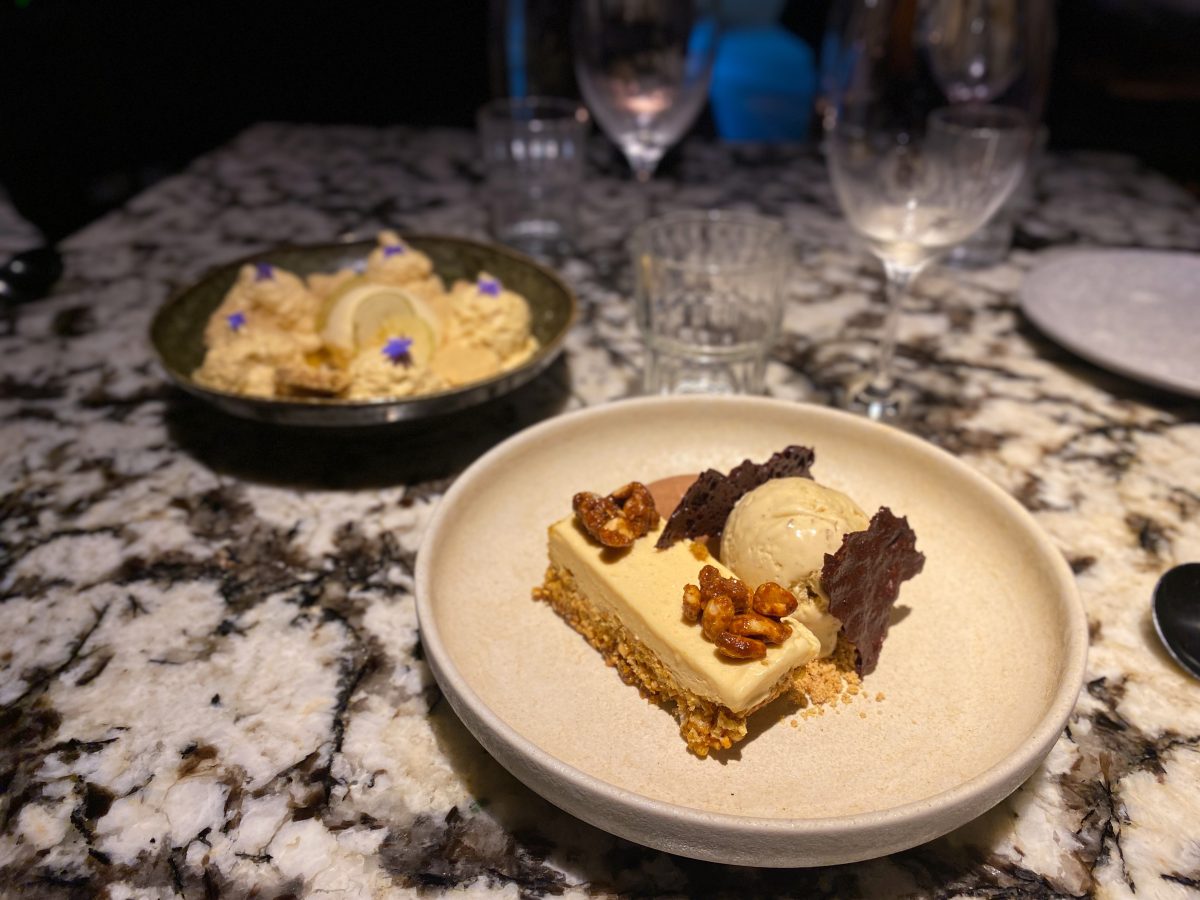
(699,550)
(739,624)
(708,502)
(619,519)
(823,682)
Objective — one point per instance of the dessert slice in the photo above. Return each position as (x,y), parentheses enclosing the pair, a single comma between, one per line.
(684,627)
(628,606)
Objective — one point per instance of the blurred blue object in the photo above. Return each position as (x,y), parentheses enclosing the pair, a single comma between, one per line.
(514,50)
(764,83)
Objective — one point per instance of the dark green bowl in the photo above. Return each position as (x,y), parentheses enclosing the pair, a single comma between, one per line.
(177,331)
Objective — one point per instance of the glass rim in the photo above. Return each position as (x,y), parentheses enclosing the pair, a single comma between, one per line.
(1003,118)
(774,230)
(557,109)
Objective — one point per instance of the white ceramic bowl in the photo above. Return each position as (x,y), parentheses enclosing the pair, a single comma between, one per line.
(977,678)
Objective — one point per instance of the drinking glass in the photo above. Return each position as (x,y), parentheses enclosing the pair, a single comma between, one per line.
(534,151)
(709,300)
(988,51)
(913,174)
(644,69)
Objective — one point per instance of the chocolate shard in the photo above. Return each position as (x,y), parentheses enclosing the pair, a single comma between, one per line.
(709,501)
(862,580)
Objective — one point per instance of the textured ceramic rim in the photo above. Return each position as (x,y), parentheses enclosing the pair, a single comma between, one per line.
(674,828)
(345,413)
(1064,338)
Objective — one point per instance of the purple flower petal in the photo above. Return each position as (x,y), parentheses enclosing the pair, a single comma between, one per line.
(397,350)
(263,272)
(394,250)
(489,286)
(236,321)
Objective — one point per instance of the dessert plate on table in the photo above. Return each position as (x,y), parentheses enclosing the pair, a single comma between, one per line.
(1133,312)
(177,331)
(979,673)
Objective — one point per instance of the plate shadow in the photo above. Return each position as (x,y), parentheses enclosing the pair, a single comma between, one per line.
(364,457)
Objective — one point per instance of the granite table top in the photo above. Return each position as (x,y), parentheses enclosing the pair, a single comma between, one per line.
(211,678)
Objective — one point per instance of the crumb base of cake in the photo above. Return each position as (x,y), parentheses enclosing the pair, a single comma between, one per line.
(704,724)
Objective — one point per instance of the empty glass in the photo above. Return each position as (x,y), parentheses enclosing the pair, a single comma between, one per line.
(914,175)
(990,52)
(644,70)
(709,300)
(534,150)
(989,245)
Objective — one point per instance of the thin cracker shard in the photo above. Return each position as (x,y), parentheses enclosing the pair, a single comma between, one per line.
(862,580)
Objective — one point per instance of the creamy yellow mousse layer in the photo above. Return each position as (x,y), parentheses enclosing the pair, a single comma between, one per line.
(644,588)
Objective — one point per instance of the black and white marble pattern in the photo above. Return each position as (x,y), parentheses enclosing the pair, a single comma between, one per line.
(211,678)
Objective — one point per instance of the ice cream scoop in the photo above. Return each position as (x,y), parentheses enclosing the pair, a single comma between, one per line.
(781,530)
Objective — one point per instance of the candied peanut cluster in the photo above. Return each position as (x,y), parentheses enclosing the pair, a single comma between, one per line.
(741,624)
(619,519)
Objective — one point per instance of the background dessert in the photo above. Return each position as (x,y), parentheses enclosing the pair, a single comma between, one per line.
(385,328)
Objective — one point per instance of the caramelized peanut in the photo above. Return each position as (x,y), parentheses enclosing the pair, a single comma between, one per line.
(637,506)
(692,607)
(772,600)
(712,583)
(740,647)
(718,613)
(618,519)
(602,519)
(727,618)
(754,625)
(709,576)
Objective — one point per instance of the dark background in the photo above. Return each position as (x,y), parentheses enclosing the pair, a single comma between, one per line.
(102,97)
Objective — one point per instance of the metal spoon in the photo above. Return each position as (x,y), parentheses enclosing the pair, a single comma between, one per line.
(1176,612)
(27,276)
(31,274)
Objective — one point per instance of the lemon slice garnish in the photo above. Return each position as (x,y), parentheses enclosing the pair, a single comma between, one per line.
(359,312)
(330,302)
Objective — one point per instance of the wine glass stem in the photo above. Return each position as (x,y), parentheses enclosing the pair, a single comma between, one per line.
(644,162)
(899,279)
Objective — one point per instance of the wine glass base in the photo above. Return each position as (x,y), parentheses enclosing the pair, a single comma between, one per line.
(881,404)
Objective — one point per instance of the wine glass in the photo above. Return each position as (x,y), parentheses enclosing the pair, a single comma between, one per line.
(913,173)
(987,51)
(982,51)
(644,69)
